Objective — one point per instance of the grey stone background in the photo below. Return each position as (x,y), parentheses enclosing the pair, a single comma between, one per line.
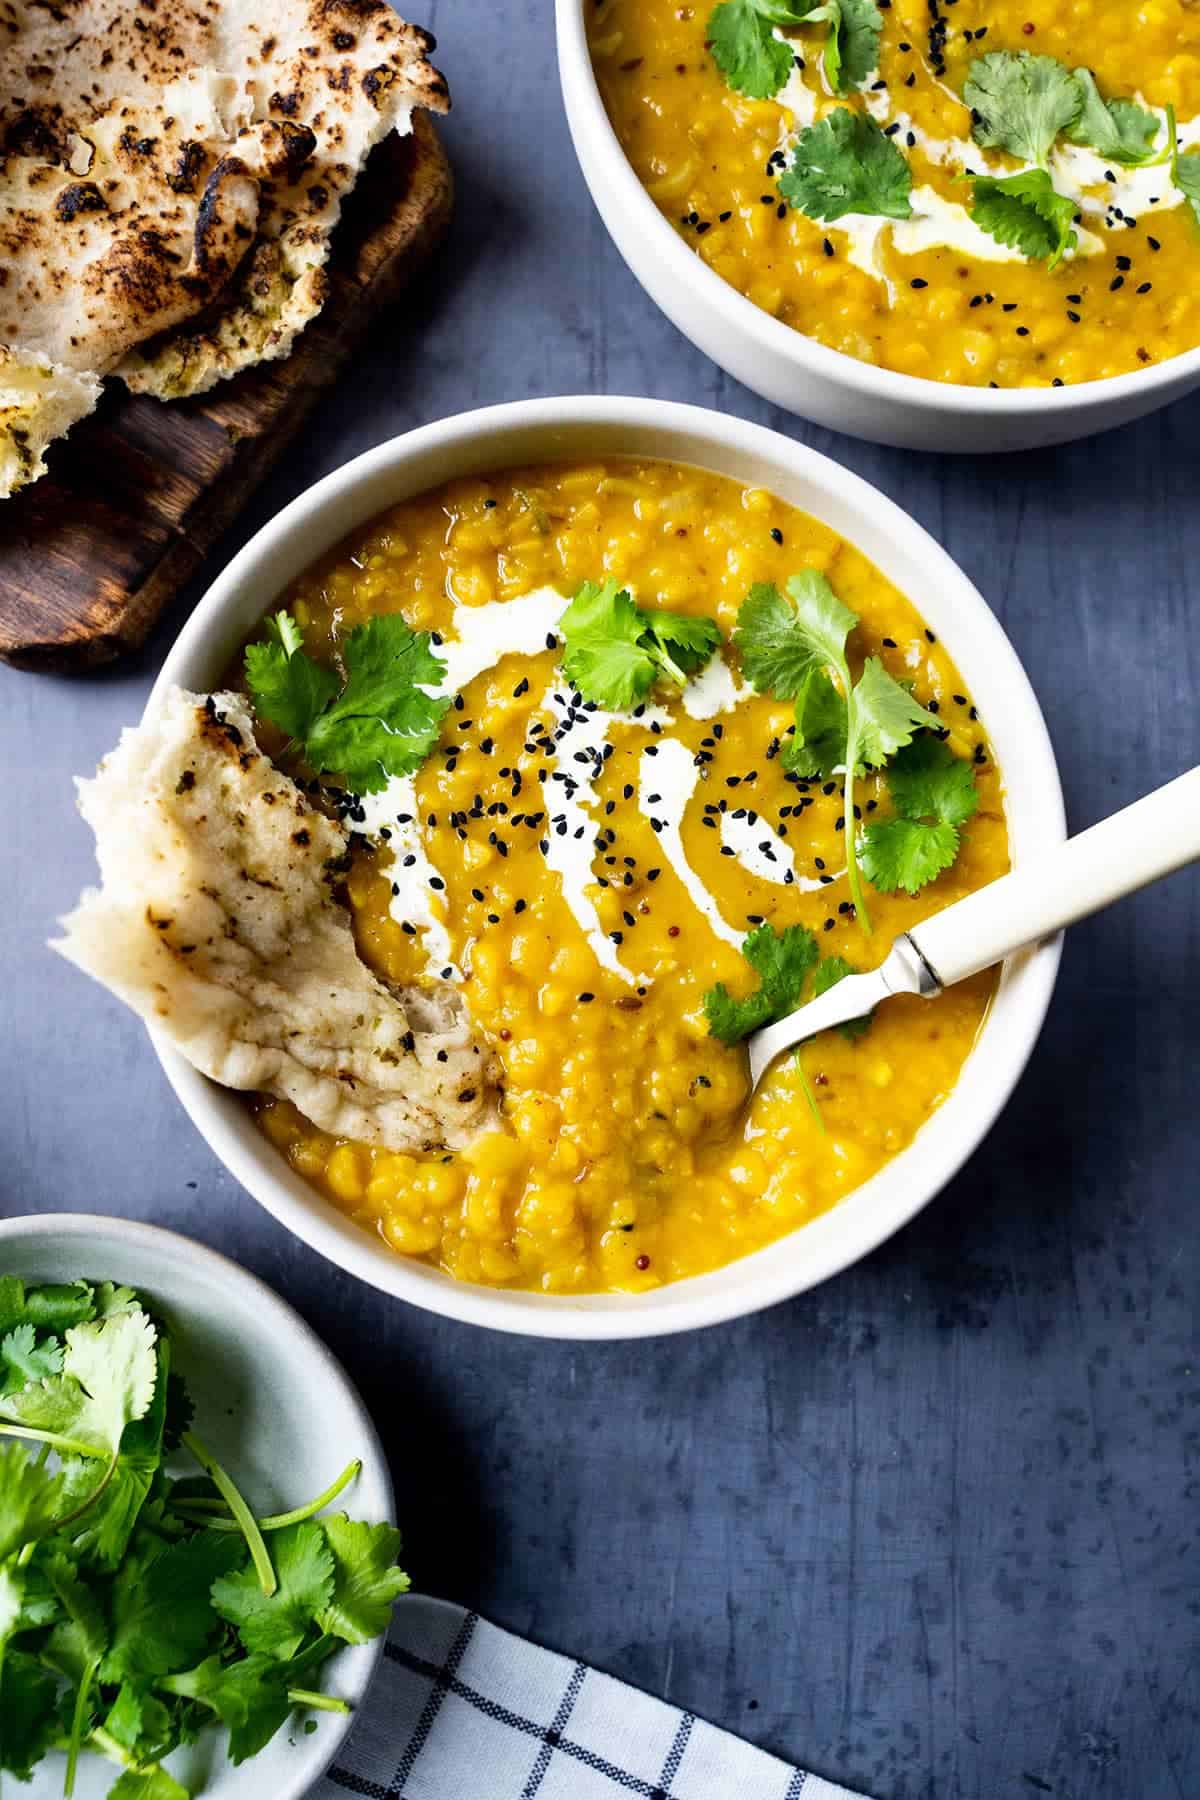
(931,1529)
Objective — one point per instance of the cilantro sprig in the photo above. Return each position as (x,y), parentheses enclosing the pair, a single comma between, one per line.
(933,793)
(379,720)
(1026,212)
(786,963)
(135,1607)
(1119,130)
(847,164)
(1023,103)
(1020,102)
(614,651)
(754,62)
(795,647)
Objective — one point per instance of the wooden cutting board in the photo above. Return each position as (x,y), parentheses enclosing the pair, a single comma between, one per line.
(141,490)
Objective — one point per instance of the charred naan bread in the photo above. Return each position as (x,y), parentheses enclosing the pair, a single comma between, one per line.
(38,402)
(218,921)
(345,72)
(171,177)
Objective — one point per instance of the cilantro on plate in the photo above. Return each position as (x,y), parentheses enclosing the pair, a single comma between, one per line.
(847,164)
(934,794)
(615,651)
(1119,130)
(1020,102)
(134,1607)
(795,647)
(754,62)
(379,720)
(1025,212)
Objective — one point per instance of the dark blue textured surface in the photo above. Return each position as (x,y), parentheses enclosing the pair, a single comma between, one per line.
(933,1528)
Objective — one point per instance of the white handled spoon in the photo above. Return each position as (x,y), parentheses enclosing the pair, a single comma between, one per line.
(1138,845)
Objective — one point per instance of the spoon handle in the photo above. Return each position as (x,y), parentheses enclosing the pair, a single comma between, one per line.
(1150,839)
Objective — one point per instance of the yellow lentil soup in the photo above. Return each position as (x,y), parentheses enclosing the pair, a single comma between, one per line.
(622,1158)
(932,296)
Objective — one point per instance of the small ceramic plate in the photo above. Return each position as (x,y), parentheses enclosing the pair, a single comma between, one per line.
(274,1407)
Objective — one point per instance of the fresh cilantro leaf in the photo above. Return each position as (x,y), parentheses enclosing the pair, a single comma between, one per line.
(797,648)
(603,655)
(382,722)
(12,1302)
(366,1579)
(12,1602)
(828,972)
(613,651)
(112,1298)
(906,853)
(162,1612)
(1025,212)
(275,1624)
(1185,169)
(1020,102)
(934,793)
(147,1784)
(852,47)
(250,1696)
(781,643)
(39,1604)
(782,961)
(109,1504)
(818,741)
(1119,130)
(58,1306)
(46,1308)
(927,780)
(140,1721)
(885,716)
(846,164)
(289,687)
(744,47)
(23,1359)
(1187,179)
(31,1500)
(756,63)
(31,1717)
(109,1369)
(81,1638)
(691,640)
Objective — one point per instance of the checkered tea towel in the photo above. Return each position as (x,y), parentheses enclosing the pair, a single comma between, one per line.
(461,1710)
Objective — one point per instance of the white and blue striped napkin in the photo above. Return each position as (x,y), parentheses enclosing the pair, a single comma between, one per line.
(461,1710)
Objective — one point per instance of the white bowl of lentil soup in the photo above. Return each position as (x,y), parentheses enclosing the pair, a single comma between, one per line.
(963,225)
(625,828)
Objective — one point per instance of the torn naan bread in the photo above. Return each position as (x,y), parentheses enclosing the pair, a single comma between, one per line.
(218,921)
(171,176)
(38,402)
(347,72)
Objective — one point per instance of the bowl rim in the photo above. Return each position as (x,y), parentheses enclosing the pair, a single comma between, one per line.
(359,490)
(284,1320)
(586,112)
